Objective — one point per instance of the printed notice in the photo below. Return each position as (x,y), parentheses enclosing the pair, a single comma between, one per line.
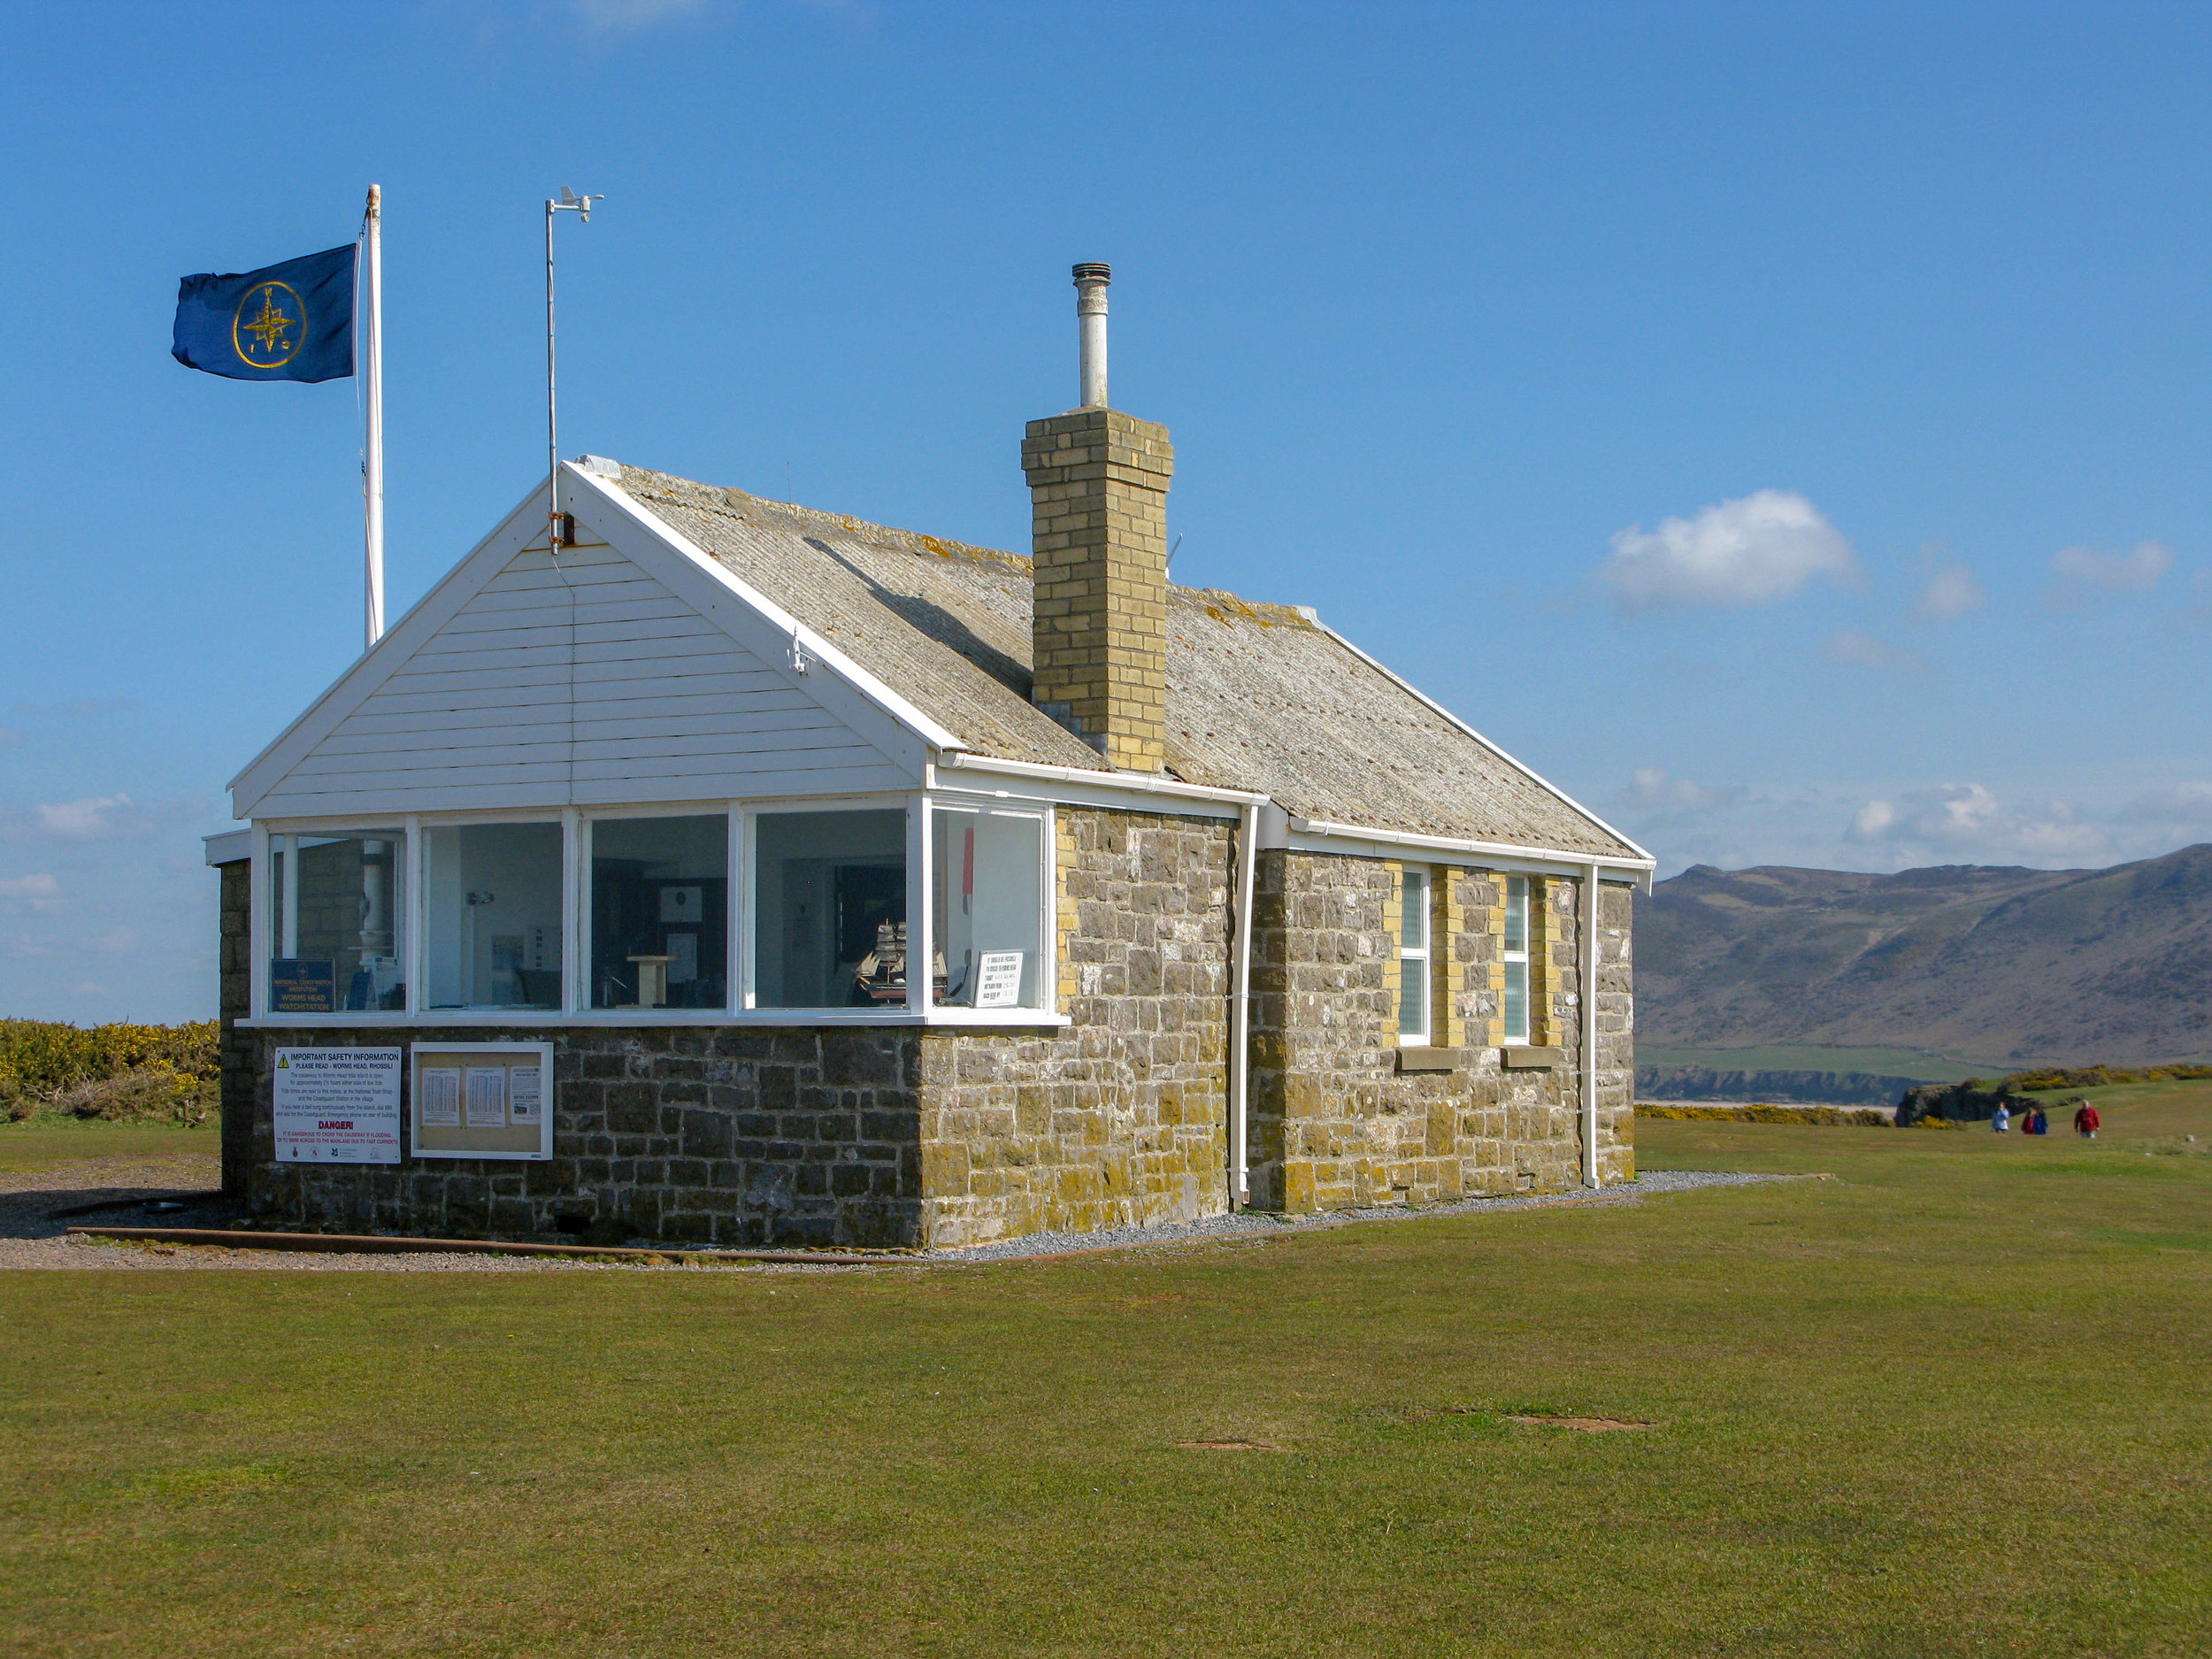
(998,979)
(487,1097)
(524,1096)
(438,1100)
(337,1105)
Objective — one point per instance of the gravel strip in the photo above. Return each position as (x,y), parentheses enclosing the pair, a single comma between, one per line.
(30,1239)
(1257,1224)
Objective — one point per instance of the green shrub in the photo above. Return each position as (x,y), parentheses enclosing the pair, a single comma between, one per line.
(119,1073)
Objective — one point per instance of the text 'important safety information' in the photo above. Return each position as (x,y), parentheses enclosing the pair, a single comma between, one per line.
(337,1105)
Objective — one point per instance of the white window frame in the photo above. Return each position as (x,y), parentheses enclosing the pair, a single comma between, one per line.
(575,998)
(1518,959)
(733,868)
(265,906)
(1424,953)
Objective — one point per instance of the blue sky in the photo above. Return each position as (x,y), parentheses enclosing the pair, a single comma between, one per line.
(1783,426)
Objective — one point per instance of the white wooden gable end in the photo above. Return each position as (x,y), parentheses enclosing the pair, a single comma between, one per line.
(633,669)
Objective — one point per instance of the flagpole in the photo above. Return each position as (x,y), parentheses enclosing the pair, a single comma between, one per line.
(372,400)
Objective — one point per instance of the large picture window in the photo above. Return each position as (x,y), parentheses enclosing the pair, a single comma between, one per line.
(1516,1020)
(987,886)
(660,891)
(829,910)
(337,912)
(1413,958)
(493,915)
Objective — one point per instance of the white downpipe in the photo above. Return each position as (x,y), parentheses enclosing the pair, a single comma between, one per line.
(1589,1068)
(1241,1011)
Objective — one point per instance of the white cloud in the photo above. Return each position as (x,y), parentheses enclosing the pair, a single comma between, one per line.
(1754,551)
(1966,819)
(25,895)
(1865,650)
(93,818)
(1651,787)
(1951,592)
(2079,573)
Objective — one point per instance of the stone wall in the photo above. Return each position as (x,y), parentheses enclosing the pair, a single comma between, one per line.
(732,1135)
(234,1048)
(1121,1119)
(845,1135)
(1336,1124)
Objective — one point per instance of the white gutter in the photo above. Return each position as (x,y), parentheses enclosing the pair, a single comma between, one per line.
(1492,849)
(1589,1067)
(1241,1011)
(1140,782)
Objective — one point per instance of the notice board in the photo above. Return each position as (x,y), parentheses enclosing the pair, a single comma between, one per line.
(336,1105)
(483,1100)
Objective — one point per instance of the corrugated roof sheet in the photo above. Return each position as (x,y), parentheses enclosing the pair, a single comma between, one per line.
(1259,696)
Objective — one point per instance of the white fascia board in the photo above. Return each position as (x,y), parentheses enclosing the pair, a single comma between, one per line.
(755,621)
(228,846)
(383,659)
(1080,786)
(1530,772)
(1316,835)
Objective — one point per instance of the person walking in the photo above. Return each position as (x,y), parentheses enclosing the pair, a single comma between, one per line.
(2086,1123)
(2038,1121)
(2001,1120)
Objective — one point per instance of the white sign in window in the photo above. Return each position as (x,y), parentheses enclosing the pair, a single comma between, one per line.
(337,1105)
(998,979)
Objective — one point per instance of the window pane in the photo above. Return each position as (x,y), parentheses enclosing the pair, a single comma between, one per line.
(1516,1001)
(335,922)
(1413,997)
(829,910)
(989,909)
(1413,923)
(660,900)
(1517,912)
(494,915)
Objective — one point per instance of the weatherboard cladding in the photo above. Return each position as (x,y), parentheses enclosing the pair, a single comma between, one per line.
(1259,696)
(663,701)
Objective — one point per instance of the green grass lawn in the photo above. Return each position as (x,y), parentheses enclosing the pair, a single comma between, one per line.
(43,1141)
(1952,1402)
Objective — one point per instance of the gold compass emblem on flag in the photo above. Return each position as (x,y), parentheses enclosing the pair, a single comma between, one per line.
(271,325)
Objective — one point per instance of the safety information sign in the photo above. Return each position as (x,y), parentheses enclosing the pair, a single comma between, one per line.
(337,1105)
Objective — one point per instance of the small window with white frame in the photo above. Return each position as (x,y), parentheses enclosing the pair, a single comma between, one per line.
(1516,1009)
(659,915)
(493,915)
(1413,958)
(988,908)
(829,922)
(337,914)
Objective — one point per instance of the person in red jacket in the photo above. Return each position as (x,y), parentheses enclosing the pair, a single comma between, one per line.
(2086,1123)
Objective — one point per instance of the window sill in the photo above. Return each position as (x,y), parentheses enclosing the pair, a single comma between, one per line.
(1428,1058)
(601,1018)
(1522,1057)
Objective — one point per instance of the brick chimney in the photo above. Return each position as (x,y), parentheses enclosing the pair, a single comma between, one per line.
(1098,483)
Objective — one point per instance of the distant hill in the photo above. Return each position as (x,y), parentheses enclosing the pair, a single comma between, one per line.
(1998,966)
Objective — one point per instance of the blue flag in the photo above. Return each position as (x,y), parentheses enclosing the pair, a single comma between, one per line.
(290,322)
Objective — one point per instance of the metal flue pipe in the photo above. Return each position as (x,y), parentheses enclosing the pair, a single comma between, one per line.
(1090,311)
